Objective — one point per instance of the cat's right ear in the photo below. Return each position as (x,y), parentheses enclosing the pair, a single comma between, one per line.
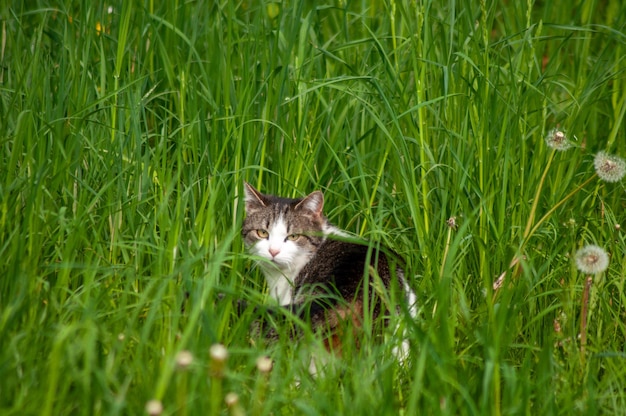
(254,198)
(314,203)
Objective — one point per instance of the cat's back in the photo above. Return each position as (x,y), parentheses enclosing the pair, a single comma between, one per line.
(343,265)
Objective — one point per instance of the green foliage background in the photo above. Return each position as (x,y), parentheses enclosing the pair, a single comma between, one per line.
(127,128)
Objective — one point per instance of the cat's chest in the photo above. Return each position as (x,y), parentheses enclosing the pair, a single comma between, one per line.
(282,282)
(282,290)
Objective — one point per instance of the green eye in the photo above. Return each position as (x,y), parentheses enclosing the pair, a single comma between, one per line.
(262,233)
(293,237)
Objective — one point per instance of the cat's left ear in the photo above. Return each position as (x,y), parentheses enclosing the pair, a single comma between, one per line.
(254,198)
(314,202)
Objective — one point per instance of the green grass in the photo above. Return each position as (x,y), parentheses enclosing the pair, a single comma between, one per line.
(127,129)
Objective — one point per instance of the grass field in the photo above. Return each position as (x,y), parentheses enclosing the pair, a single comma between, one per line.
(128,128)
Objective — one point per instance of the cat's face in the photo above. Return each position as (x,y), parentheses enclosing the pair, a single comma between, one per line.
(284,231)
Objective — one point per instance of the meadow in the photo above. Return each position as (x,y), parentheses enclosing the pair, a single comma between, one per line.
(128,128)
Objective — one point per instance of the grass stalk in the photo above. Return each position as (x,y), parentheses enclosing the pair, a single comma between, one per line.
(557,205)
(533,209)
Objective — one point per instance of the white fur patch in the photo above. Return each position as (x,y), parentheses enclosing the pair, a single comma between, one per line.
(285,260)
(402,352)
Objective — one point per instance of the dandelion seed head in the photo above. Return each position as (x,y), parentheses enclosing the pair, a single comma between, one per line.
(231,399)
(264,364)
(557,140)
(154,407)
(184,359)
(218,353)
(610,168)
(592,259)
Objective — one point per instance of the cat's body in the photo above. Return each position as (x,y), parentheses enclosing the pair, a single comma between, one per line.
(308,260)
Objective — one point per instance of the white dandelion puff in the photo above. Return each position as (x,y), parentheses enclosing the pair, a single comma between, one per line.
(610,168)
(264,364)
(231,399)
(154,407)
(184,359)
(557,140)
(592,259)
(218,353)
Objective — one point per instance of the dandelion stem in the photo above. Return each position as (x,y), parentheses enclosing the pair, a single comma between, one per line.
(583,317)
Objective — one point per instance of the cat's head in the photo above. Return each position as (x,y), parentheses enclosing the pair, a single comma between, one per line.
(284,231)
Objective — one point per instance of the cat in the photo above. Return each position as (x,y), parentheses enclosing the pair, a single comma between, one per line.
(314,268)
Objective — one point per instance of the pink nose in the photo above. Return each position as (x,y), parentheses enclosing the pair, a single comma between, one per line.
(274,252)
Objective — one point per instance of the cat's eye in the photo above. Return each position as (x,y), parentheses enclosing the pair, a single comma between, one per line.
(262,233)
(293,237)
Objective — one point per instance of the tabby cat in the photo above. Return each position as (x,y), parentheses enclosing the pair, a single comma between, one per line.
(306,260)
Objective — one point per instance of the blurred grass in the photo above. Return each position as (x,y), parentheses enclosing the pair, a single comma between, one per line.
(128,128)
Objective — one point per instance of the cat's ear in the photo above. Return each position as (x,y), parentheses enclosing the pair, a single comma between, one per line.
(314,202)
(254,198)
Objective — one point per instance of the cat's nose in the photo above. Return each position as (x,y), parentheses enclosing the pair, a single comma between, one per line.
(274,251)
